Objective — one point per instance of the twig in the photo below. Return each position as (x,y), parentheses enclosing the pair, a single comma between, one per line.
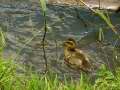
(56,49)
(43,41)
(87,6)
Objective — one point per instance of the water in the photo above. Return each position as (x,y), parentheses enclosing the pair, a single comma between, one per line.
(23,22)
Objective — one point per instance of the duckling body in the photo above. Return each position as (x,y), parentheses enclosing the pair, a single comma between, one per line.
(74,57)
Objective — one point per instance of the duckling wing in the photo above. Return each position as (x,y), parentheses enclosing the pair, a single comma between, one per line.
(81,56)
(73,63)
(71,60)
(77,59)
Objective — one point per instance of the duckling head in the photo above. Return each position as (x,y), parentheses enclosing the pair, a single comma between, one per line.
(70,43)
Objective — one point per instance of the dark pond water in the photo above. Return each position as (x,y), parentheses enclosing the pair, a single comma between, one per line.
(23,24)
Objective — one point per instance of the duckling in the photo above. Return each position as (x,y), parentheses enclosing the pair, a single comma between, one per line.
(74,57)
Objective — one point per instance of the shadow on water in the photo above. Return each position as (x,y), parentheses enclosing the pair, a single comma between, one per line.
(23,23)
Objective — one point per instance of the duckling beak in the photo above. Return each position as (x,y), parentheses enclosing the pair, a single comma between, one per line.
(64,43)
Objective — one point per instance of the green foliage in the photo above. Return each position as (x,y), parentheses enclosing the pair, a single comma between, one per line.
(101,35)
(2,40)
(106,80)
(105,18)
(43,5)
(107,21)
(84,83)
(10,79)
(7,72)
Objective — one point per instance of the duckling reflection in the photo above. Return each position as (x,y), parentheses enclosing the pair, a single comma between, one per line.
(74,57)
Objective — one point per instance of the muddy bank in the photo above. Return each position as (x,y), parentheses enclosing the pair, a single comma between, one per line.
(101,4)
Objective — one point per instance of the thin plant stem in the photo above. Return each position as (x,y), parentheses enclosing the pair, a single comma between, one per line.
(56,45)
(43,41)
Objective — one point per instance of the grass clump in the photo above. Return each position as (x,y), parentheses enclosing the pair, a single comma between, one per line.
(10,79)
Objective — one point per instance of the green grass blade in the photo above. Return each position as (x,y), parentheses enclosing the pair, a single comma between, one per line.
(43,5)
(107,20)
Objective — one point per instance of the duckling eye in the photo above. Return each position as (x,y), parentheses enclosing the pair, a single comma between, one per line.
(70,43)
